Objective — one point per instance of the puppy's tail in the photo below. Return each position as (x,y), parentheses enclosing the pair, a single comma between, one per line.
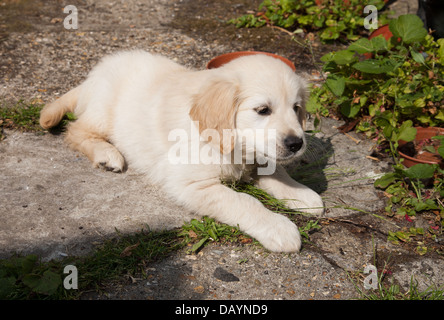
(52,113)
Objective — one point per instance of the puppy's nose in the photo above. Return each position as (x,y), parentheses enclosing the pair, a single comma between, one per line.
(293,143)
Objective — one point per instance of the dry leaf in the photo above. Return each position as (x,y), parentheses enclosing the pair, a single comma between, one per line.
(192,234)
(129,250)
(199,289)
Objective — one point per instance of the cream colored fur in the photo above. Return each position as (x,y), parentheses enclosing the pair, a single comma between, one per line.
(131,102)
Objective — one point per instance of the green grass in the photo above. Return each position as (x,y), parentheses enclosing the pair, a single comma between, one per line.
(23,116)
(29,278)
(393,292)
(207,230)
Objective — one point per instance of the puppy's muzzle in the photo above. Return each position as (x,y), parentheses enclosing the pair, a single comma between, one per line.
(293,143)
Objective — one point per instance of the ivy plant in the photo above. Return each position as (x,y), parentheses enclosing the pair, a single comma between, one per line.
(384,84)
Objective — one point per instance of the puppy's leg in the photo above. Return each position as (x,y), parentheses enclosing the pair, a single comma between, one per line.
(95,146)
(295,195)
(274,231)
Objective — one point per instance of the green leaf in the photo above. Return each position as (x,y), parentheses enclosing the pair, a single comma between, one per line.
(375,66)
(418,57)
(364,45)
(402,236)
(328,57)
(45,284)
(385,180)
(420,171)
(407,132)
(350,110)
(336,84)
(330,33)
(441,50)
(6,286)
(199,244)
(409,28)
(18,266)
(28,263)
(428,204)
(422,250)
(419,103)
(392,237)
(212,232)
(343,57)
(313,105)
(379,44)
(441,146)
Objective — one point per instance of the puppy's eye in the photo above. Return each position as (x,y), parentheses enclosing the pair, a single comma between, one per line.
(296,107)
(263,110)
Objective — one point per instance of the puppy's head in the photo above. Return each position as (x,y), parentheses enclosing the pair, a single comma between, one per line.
(256,94)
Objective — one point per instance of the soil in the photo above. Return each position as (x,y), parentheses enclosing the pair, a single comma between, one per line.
(211,22)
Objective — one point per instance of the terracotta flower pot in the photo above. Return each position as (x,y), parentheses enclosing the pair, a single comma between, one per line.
(408,150)
(384,30)
(227,57)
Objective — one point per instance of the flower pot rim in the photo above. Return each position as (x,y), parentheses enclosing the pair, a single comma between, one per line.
(222,59)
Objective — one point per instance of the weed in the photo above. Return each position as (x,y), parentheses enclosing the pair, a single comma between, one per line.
(207,229)
(397,86)
(333,20)
(408,196)
(22,116)
(392,291)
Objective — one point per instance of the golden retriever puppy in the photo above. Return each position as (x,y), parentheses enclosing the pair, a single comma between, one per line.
(189,130)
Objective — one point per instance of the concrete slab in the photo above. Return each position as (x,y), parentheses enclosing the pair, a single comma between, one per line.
(52,201)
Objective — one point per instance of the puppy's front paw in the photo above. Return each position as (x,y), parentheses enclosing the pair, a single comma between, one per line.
(314,205)
(281,235)
(110,159)
(311,203)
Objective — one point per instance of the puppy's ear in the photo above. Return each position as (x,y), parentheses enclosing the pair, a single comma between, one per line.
(215,107)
